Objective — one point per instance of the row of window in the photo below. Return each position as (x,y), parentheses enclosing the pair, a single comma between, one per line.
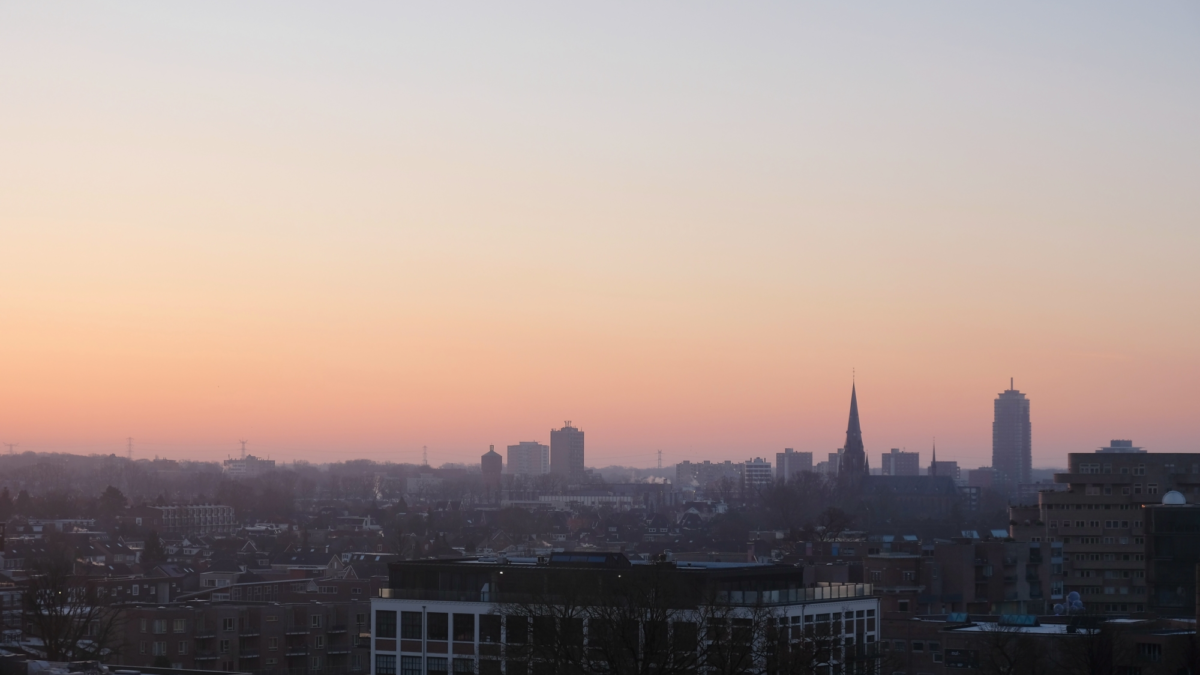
(1110,557)
(1108,524)
(1107,467)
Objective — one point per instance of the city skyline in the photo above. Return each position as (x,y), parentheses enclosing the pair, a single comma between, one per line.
(356,232)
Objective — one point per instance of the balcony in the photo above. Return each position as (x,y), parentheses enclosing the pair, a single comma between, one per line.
(296,630)
(249,633)
(205,655)
(296,651)
(248,655)
(338,650)
(204,636)
(337,628)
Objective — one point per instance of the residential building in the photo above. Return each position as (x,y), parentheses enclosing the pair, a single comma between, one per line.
(196,518)
(899,463)
(789,463)
(757,475)
(1012,440)
(566,453)
(528,458)
(1101,523)
(981,477)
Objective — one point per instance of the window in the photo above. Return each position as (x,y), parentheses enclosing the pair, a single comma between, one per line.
(142,625)
(918,646)
(160,649)
(876,576)
(436,664)
(438,627)
(315,620)
(410,625)
(223,646)
(227,625)
(410,665)
(314,663)
(464,628)
(272,644)
(489,628)
(518,630)
(899,645)
(1152,489)
(273,618)
(183,647)
(356,590)
(180,626)
(1149,651)
(910,576)
(464,666)
(142,648)
(903,605)
(328,590)
(320,642)
(134,589)
(385,624)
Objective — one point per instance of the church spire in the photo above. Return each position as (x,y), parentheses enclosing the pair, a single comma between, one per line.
(933,464)
(854,459)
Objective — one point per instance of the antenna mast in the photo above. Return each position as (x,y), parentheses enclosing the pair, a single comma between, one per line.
(424,455)
(129,447)
(660,459)
(243,449)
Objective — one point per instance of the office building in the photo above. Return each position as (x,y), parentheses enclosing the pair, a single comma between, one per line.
(1172,531)
(1012,440)
(789,463)
(898,463)
(566,453)
(528,458)
(518,615)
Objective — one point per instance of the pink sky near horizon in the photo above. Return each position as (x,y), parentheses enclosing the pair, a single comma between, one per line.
(353,232)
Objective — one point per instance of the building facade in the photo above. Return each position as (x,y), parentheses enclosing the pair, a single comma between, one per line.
(1012,440)
(528,458)
(789,463)
(566,453)
(491,616)
(899,463)
(197,518)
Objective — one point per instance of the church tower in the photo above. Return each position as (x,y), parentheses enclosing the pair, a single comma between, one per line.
(853,465)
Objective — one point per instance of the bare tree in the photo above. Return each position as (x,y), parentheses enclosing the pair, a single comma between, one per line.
(66,612)
(652,622)
(1009,650)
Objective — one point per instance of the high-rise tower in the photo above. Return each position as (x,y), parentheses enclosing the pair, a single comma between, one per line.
(1012,440)
(853,463)
(566,453)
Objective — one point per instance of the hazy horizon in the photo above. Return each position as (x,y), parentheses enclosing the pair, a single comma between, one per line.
(352,231)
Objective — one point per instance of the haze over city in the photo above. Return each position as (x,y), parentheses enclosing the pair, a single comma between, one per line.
(354,231)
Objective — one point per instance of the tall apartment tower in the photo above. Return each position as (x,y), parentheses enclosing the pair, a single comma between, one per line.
(566,452)
(789,463)
(1012,440)
(528,458)
(899,463)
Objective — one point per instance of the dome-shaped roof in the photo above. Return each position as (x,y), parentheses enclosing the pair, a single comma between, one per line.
(1174,498)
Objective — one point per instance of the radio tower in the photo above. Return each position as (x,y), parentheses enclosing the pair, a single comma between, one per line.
(424,455)
(243,449)
(129,446)
(11,446)
(660,459)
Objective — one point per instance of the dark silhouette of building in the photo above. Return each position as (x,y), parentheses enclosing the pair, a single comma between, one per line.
(1012,441)
(1172,548)
(898,463)
(492,465)
(566,453)
(853,465)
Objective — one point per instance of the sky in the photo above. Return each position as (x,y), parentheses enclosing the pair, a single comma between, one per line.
(353,230)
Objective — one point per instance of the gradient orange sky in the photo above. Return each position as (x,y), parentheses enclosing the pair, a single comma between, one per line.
(351,231)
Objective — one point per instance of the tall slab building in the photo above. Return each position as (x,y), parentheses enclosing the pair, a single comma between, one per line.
(1012,440)
(566,452)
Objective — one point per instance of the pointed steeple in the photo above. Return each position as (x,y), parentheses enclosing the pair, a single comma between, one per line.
(854,459)
(853,427)
(933,464)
